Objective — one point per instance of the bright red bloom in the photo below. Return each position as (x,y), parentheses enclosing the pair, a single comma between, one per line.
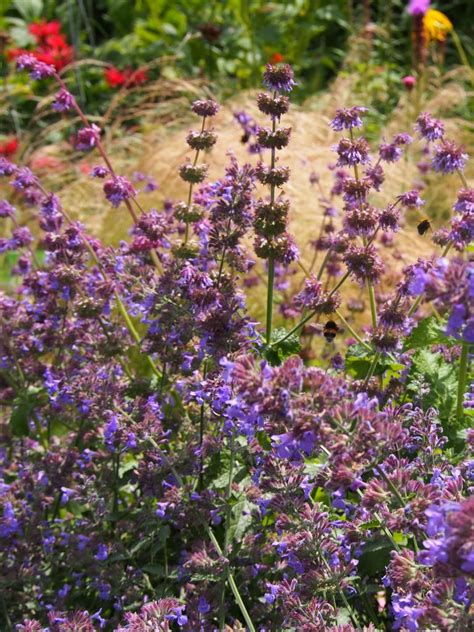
(8,147)
(276,58)
(114,77)
(53,47)
(57,57)
(42,30)
(131,78)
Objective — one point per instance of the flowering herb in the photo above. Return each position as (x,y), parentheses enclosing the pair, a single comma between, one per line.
(168,462)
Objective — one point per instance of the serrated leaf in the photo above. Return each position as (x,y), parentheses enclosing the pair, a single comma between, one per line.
(441,378)
(428,332)
(282,346)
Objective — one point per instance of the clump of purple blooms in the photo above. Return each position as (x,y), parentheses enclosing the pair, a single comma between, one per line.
(170,463)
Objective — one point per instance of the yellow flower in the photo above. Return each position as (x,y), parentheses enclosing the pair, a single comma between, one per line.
(437,25)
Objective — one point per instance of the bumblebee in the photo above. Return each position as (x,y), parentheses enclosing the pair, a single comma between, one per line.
(330,330)
(424,226)
(245,139)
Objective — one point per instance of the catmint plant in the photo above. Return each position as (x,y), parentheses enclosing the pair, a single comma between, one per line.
(161,468)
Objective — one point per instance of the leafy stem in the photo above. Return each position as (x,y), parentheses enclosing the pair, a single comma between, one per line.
(462,380)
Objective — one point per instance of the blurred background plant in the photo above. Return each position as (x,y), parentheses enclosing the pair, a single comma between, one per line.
(116,46)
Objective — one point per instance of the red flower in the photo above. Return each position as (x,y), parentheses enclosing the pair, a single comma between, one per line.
(42,30)
(114,77)
(137,77)
(276,58)
(128,77)
(57,57)
(53,47)
(8,147)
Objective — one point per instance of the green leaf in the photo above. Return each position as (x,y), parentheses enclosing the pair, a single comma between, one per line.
(440,376)
(428,332)
(29,9)
(281,349)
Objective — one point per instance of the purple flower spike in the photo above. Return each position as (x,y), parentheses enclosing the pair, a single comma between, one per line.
(118,189)
(63,101)
(87,138)
(429,127)
(279,78)
(449,158)
(37,69)
(348,118)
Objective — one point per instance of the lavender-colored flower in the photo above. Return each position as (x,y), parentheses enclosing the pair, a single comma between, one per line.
(313,298)
(348,118)
(22,237)
(462,231)
(449,157)
(118,189)
(24,179)
(363,263)
(202,140)
(100,172)
(274,139)
(361,220)
(102,553)
(51,218)
(7,168)
(63,101)
(37,69)
(204,606)
(389,218)
(352,152)
(406,612)
(429,127)
(411,199)
(465,202)
(6,209)
(87,137)
(205,108)
(402,139)
(376,176)
(273,106)
(390,152)
(279,78)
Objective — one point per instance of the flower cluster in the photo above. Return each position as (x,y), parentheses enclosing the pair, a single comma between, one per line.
(52,47)
(168,465)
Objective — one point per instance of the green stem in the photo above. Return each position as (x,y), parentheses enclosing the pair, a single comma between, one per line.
(372,368)
(414,307)
(462,380)
(352,331)
(271,261)
(323,264)
(373,304)
(191,185)
(134,333)
(271,278)
(462,177)
(227,530)
(461,52)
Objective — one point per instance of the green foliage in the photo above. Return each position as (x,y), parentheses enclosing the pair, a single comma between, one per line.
(429,331)
(434,380)
(359,360)
(281,346)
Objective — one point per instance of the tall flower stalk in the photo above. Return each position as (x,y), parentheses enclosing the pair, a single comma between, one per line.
(191,172)
(273,242)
